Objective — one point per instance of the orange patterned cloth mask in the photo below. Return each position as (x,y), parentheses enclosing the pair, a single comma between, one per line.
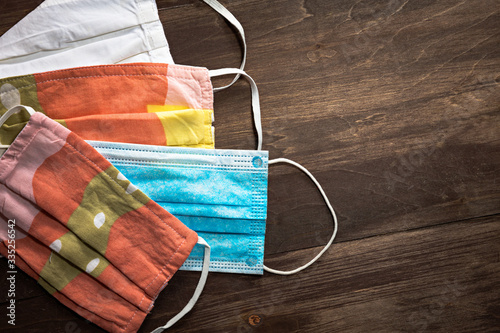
(156,104)
(83,231)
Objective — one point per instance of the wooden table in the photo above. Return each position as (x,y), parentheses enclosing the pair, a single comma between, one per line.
(394,106)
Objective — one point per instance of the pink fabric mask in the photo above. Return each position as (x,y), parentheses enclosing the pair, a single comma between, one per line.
(83,231)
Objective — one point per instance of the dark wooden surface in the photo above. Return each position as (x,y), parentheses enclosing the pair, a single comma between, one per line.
(394,106)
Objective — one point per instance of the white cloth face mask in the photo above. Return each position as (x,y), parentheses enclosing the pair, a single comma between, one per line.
(62,34)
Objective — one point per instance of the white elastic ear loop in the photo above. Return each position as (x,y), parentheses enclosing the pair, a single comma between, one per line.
(230,17)
(255,98)
(335,223)
(197,292)
(10,112)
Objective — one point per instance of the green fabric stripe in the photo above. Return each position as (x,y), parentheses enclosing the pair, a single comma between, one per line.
(58,272)
(81,255)
(104,201)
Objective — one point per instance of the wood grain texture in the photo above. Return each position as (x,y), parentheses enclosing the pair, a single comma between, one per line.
(394,106)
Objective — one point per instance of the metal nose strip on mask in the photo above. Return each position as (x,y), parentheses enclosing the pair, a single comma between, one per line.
(255,98)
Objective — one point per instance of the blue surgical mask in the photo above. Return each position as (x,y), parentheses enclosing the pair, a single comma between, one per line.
(221,194)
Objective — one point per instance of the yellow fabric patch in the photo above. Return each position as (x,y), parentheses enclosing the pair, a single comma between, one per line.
(201,145)
(192,128)
(163,108)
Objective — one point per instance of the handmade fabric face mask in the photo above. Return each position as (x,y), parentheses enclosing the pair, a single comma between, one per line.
(221,194)
(61,34)
(70,33)
(138,103)
(84,232)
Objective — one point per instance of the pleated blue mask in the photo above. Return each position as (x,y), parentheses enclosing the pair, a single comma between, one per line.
(221,194)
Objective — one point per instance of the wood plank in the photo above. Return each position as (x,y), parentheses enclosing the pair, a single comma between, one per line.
(393,105)
(13,11)
(441,279)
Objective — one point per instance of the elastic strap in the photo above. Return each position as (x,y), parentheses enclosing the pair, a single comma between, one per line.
(231,19)
(255,98)
(335,223)
(197,292)
(10,112)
